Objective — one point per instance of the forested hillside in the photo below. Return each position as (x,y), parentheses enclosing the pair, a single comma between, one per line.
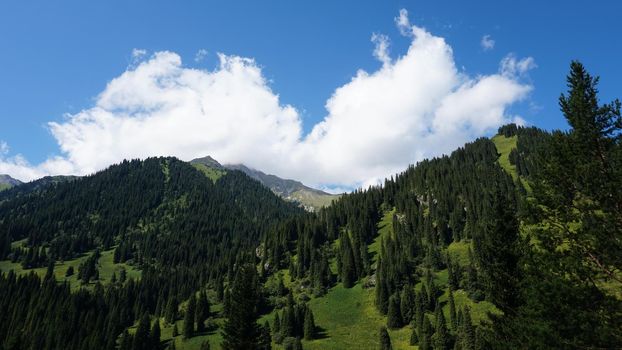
(509,242)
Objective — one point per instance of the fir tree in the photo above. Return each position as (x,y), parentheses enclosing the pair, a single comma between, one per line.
(202,311)
(442,338)
(394,315)
(241,330)
(309,325)
(189,317)
(154,335)
(385,340)
(414,339)
(452,311)
(407,305)
(141,337)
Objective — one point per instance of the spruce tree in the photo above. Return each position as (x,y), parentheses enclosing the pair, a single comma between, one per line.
(414,338)
(154,335)
(205,345)
(141,337)
(394,315)
(202,311)
(452,311)
(309,325)
(385,340)
(189,317)
(468,332)
(442,338)
(241,330)
(407,305)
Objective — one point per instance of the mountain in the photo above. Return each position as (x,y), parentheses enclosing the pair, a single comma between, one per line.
(7,182)
(291,190)
(35,185)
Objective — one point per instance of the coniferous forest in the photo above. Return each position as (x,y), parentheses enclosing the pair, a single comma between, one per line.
(510,242)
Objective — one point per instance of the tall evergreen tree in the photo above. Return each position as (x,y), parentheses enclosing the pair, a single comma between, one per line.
(309,325)
(154,335)
(189,317)
(394,315)
(385,339)
(241,330)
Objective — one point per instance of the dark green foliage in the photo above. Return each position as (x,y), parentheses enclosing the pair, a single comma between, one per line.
(141,337)
(442,339)
(394,315)
(309,325)
(407,306)
(385,340)
(265,339)
(189,317)
(154,335)
(202,311)
(453,318)
(241,330)
(414,338)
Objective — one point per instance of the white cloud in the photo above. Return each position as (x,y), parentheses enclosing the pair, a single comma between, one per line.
(415,106)
(138,53)
(487,43)
(511,66)
(200,55)
(4,148)
(381,49)
(403,23)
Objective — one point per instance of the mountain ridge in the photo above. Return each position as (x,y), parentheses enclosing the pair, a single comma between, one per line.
(292,190)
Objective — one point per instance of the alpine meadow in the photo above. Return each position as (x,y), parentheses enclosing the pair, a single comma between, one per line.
(427,215)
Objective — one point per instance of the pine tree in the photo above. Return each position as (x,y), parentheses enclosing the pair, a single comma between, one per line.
(452,311)
(425,339)
(189,317)
(468,332)
(309,325)
(154,335)
(265,340)
(442,338)
(175,330)
(407,305)
(141,337)
(394,315)
(202,311)
(171,311)
(241,330)
(385,340)
(414,339)
(276,324)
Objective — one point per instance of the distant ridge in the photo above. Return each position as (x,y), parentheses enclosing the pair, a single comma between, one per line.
(7,182)
(292,190)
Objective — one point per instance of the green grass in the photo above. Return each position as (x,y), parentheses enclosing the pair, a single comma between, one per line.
(350,321)
(212,173)
(313,199)
(504,147)
(106,268)
(385,229)
(4,187)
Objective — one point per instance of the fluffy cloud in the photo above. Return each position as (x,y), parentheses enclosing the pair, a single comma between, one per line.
(487,43)
(415,106)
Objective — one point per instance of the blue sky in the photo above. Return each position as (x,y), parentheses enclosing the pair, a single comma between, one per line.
(58,56)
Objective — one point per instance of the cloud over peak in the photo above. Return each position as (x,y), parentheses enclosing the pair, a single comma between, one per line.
(414,106)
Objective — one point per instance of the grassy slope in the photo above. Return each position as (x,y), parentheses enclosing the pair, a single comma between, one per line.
(504,146)
(106,268)
(313,199)
(212,173)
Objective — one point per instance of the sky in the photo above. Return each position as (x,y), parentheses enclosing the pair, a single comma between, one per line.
(338,94)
